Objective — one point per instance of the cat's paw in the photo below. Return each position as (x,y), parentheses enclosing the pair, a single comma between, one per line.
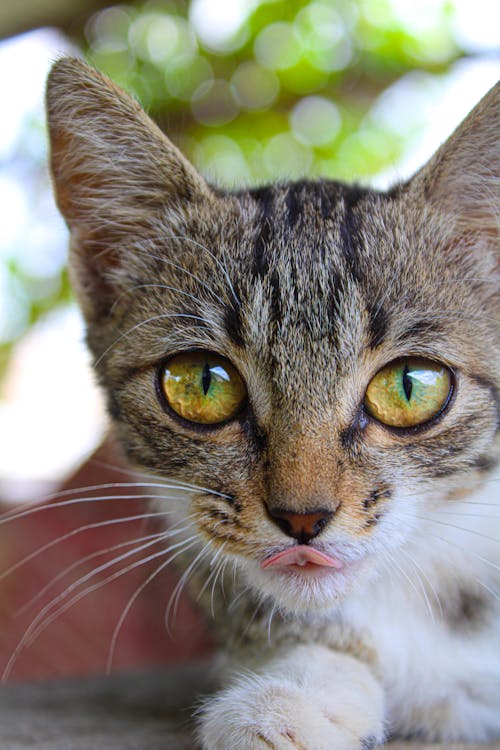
(313,710)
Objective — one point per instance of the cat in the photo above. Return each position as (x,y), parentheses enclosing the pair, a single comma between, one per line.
(314,368)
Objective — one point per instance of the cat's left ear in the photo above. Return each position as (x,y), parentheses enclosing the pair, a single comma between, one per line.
(118,180)
(110,162)
(462,180)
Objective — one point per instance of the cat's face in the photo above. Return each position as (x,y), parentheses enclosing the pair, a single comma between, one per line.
(315,293)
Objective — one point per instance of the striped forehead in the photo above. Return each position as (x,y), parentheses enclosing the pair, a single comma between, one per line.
(304,304)
(306,248)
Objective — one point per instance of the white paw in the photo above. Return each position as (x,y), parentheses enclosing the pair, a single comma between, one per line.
(312,710)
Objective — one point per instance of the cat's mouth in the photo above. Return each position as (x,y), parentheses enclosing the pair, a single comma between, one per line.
(301,559)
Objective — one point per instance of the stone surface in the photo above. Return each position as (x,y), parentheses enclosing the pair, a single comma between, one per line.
(149,711)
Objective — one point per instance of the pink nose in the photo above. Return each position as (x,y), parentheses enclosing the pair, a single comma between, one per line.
(301,526)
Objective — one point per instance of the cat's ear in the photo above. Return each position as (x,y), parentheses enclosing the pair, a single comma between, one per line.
(115,174)
(462,180)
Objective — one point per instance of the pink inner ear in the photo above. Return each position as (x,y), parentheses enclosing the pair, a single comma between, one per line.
(301,556)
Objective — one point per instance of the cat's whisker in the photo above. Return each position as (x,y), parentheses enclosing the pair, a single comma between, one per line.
(81,561)
(270,622)
(453,526)
(169,483)
(30,509)
(219,572)
(45,617)
(217,261)
(494,594)
(233,577)
(213,569)
(222,586)
(166,287)
(237,598)
(95,572)
(465,550)
(74,532)
(245,590)
(419,591)
(153,319)
(422,575)
(82,500)
(130,603)
(461,514)
(171,263)
(176,593)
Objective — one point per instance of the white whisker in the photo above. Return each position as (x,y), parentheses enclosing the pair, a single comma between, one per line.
(465,551)
(132,600)
(269,624)
(135,327)
(171,263)
(429,583)
(176,593)
(81,561)
(453,526)
(75,532)
(154,286)
(39,624)
(221,266)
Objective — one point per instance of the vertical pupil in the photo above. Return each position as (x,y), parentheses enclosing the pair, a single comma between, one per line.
(206,378)
(407,382)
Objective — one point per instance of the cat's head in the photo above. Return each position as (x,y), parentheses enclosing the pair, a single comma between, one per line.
(323,360)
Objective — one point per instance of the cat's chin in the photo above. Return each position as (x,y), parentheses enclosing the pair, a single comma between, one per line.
(307,589)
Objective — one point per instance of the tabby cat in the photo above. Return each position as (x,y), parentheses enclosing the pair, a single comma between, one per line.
(315,368)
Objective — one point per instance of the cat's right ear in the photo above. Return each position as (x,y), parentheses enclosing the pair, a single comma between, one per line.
(461,182)
(115,175)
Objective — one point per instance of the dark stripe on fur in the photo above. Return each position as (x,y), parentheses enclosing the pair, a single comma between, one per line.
(264,197)
(294,203)
(420,327)
(233,325)
(468,609)
(378,324)
(350,236)
(484,463)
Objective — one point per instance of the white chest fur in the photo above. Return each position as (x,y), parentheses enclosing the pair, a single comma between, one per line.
(434,625)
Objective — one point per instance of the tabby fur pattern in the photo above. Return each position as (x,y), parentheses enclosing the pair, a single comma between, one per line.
(308,288)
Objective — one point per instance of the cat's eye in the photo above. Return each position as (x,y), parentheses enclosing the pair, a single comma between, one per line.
(203,387)
(408,392)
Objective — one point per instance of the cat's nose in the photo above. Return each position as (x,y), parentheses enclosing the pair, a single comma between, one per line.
(301,526)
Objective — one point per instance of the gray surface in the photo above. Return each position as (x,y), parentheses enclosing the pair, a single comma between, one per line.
(133,712)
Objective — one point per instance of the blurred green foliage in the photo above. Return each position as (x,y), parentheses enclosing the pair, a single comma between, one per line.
(254,90)
(285,92)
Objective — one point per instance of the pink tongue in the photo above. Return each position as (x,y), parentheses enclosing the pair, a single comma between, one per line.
(300,556)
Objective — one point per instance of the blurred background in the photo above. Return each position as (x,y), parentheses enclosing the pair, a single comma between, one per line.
(251,91)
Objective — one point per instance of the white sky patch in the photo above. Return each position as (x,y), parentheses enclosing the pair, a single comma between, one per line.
(476,24)
(15,213)
(24,62)
(218,23)
(52,414)
(442,103)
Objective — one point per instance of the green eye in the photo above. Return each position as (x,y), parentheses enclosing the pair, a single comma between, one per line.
(203,387)
(408,392)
